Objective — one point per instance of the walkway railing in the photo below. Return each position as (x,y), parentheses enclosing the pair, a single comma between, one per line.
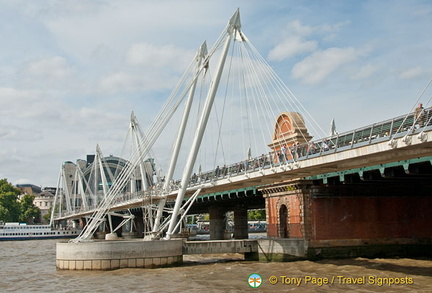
(374,133)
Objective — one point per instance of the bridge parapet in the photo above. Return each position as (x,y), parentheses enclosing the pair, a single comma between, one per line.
(377,138)
(387,130)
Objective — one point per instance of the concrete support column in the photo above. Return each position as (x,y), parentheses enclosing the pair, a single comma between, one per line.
(240,223)
(217,223)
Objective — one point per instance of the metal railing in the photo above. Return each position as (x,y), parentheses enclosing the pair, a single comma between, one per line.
(374,133)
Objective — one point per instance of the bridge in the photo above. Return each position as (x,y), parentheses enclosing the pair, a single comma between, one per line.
(107,187)
(389,141)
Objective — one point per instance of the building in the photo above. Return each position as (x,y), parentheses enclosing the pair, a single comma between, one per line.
(29,189)
(44,197)
(44,201)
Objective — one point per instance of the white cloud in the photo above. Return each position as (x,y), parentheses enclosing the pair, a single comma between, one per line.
(32,109)
(17,133)
(318,66)
(52,68)
(149,55)
(414,72)
(365,72)
(117,25)
(295,41)
(142,81)
(21,103)
(48,73)
(298,28)
(98,116)
(291,46)
(119,81)
(332,28)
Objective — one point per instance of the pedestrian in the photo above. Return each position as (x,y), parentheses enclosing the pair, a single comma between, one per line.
(217,171)
(311,148)
(324,145)
(418,115)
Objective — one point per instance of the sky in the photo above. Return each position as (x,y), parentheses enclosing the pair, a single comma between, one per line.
(71,71)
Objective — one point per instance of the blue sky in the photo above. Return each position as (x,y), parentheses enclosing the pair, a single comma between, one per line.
(72,71)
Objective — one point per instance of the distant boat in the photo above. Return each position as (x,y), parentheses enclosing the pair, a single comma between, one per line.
(19,231)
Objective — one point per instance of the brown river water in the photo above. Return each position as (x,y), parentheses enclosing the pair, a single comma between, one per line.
(29,266)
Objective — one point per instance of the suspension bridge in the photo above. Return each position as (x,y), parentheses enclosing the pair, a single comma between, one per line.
(222,124)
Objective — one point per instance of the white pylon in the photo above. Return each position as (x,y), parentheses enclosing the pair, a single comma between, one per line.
(233,27)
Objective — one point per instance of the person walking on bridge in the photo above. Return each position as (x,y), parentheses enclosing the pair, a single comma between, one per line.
(418,115)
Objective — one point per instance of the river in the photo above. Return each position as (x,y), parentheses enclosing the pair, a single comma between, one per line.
(29,266)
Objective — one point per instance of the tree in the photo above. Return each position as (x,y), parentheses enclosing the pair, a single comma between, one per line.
(5,215)
(257,215)
(47,217)
(9,206)
(5,187)
(28,211)
(12,210)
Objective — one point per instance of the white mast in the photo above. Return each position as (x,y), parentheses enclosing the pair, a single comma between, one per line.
(66,190)
(57,194)
(137,136)
(234,25)
(99,155)
(201,54)
(154,132)
(81,181)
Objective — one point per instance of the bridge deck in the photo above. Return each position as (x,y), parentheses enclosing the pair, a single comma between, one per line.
(389,141)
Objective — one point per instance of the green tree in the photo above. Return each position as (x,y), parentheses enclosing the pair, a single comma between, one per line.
(9,206)
(5,215)
(257,215)
(29,213)
(5,187)
(12,210)
(47,217)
